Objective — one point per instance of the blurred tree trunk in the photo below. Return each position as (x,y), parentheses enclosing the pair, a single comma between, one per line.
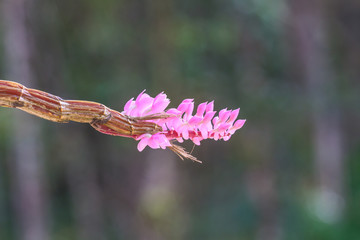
(27,165)
(261,176)
(82,179)
(161,39)
(121,175)
(160,204)
(308,31)
(261,183)
(73,149)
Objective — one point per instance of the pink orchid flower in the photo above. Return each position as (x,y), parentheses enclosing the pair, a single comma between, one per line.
(179,123)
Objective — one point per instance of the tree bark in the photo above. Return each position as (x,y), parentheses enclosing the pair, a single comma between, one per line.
(311,49)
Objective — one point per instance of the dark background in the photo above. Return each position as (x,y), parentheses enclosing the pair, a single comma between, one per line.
(292,172)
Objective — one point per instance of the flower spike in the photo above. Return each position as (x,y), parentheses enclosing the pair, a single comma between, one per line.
(179,124)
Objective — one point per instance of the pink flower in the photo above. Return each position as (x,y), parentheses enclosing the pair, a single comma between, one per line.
(180,123)
(145,105)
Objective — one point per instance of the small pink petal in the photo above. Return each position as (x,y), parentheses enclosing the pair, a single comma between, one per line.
(210,106)
(239,123)
(215,121)
(216,136)
(153,142)
(160,103)
(185,133)
(208,116)
(204,132)
(163,141)
(160,97)
(159,106)
(142,144)
(195,120)
(222,112)
(224,115)
(175,124)
(226,138)
(233,115)
(128,104)
(140,95)
(201,109)
(189,111)
(196,140)
(184,105)
(223,127)
(144,102)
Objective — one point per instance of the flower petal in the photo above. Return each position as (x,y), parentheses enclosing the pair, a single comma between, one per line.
(233,115)
(128,104)
(204,132)
(196,140)
(195,120)
(237,125)
(201,109)
(142,144)
(210,106)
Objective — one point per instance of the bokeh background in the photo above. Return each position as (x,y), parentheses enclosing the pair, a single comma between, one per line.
(292,172)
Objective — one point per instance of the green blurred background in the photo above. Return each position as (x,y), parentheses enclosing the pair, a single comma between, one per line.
(292,172)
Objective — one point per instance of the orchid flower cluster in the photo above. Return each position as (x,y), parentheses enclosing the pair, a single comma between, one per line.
(179,123)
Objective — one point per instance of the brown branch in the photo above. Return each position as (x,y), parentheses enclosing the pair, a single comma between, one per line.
(54,108)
